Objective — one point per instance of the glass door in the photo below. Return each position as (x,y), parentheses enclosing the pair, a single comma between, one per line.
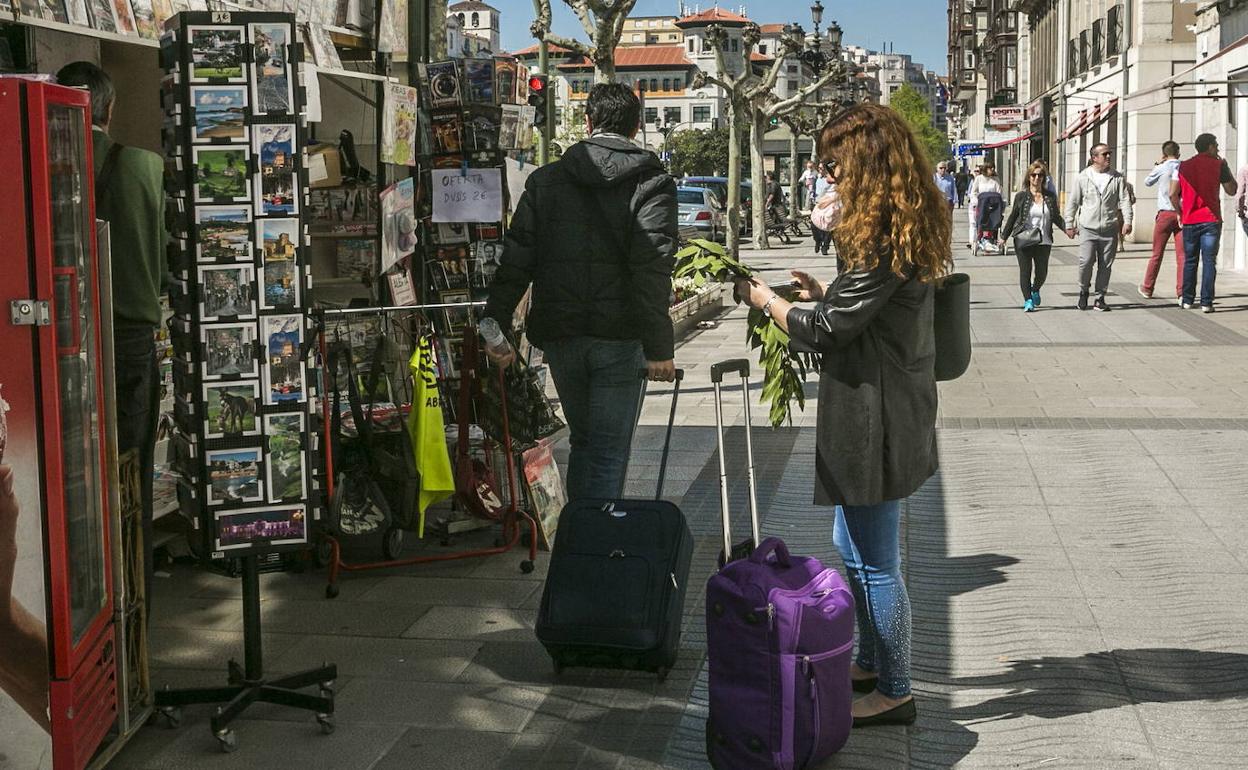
(74,321)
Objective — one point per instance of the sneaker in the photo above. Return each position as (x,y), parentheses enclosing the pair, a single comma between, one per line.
(1185,305)
(1083,300)
(1029,305)
(1035,297)
(1100,305)
(1143,293)
(1206,308)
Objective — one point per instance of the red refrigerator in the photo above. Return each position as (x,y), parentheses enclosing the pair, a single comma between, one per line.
(58,674)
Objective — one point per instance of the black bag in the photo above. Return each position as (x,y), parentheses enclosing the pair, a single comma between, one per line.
(615,591)
(530,415)
(358,506)
(951,322)
(1027,238)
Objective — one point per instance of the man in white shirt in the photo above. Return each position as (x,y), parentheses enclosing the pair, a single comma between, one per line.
(1098,209)
(1166,225)
(807,179)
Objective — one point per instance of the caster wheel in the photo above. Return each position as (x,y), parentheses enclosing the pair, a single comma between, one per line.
(326,721)
(662,672)
(172,716)
(331,591)
(323,554)
(392,543)
(227,740)
(526,566)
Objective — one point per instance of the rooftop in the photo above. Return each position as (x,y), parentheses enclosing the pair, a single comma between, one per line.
(639,57)
(471,5)
(713,16)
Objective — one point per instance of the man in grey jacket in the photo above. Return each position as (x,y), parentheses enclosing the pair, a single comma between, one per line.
(1092,209)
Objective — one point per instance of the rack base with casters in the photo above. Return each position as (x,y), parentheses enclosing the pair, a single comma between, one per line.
(246,684)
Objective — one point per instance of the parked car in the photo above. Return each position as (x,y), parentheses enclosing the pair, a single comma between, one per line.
(701,209)
(719,184)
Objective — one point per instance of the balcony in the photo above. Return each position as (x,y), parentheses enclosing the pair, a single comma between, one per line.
(964,85)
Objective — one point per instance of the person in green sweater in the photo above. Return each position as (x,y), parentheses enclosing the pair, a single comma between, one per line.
(130,196)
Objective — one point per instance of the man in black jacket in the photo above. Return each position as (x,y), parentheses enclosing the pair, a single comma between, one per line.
(595,234)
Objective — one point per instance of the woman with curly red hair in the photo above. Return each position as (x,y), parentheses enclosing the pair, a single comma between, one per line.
(872,325)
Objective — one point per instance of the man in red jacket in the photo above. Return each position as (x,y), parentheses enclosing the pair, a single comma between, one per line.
(1196,189)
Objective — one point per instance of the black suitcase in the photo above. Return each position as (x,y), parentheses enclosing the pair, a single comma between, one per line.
(615,589)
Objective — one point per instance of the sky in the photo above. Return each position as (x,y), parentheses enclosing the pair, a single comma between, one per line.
(916,27)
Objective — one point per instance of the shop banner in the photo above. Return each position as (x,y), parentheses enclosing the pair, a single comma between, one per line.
(467,195)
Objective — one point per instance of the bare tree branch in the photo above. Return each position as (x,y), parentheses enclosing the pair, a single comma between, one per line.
(796,101)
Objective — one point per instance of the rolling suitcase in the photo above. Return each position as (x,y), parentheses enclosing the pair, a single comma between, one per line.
(779,633)
(615,590)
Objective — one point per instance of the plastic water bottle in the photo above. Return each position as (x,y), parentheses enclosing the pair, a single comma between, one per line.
(493,337)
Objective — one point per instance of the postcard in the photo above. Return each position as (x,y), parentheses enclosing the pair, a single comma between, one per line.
(228,350)
(277,191)
(260,527)
(479,79)
(223,234)
(216,52)
(271,91)
(285,464)
(221,174)
(234,476)
(279,239)
(481,129)
(283,361)
(444,84)
(220,113)
(226,292)
(230,409)
(507,126)
(456,317)
(505,80)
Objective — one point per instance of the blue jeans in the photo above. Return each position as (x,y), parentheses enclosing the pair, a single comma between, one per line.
(1203,240)
(868,537)
(600,391)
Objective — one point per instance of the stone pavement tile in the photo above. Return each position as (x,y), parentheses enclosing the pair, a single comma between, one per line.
(208,612)
(483,624)
(450,592)
(422,747)
(337,617)
(173,647)
(409,660)
(261,744)
(290,585)
(466,708)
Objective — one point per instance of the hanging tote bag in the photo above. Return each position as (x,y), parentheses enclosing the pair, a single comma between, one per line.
(475,483)
(951,323)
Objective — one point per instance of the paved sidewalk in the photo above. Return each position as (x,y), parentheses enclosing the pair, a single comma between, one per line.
(1076,568)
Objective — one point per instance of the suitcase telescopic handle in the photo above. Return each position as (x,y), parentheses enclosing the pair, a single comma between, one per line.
(671,423)
(742,366)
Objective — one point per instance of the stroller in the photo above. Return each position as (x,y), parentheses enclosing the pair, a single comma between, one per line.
(989,211)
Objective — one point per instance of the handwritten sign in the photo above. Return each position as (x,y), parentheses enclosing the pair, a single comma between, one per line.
(467,195)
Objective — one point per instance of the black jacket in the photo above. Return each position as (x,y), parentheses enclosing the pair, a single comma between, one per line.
(595,234)
(1019,221)
(876,436)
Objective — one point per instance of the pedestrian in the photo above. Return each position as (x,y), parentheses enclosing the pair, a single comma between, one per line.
(130,196)
(775,197)
(826,200)
(947,185)
(1099,195)
(594,234)
(808,178)
(876,436)
(964,183)
(1195,188)
(985,182)
(1032,216)
(1166,225)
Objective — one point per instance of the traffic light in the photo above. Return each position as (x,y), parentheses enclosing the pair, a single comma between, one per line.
(775,121)
(538,98)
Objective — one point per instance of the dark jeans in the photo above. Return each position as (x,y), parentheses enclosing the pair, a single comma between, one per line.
(822,239)
(1032,258)
(1200,245)
(138,409)
(600,391)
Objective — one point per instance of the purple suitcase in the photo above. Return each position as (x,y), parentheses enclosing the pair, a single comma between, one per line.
(780,633)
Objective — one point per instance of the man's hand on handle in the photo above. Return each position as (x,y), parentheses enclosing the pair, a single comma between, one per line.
(661,371)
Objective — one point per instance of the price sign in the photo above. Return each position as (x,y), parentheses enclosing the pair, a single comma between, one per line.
(471,195)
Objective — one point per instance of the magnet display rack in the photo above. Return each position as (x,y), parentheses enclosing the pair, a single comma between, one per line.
(234,137)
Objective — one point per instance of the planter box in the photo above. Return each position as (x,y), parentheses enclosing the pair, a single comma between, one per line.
(704,305)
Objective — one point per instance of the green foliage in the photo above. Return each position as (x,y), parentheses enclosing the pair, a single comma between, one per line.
(700,152)
(783,372)
(913,108)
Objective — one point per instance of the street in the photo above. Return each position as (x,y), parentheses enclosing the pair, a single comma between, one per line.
(1077,571)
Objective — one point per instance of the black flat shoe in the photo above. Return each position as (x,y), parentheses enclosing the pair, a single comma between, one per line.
(904,714)
(864,685)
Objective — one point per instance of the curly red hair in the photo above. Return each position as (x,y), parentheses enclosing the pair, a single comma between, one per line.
(891,204)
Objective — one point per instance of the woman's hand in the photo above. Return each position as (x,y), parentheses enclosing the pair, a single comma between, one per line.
(812,289)
(753,292)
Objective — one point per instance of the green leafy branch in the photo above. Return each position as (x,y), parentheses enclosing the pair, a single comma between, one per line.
(783,372)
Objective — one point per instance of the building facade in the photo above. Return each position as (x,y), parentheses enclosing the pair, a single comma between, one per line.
(480,21)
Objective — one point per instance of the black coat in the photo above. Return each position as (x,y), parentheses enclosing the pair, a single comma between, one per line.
(877,390)
(595,233)
(1018,220)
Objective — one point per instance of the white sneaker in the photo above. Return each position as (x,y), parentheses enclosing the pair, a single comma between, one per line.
(1206,308)
(1185,305)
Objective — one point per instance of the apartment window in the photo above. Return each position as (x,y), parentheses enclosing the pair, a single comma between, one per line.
(678,84)
(636,38)
(476,19)
(690,42)
(652,115)
(894,89)
(701,114)
(460,16)
(706,45)
(792,86)
(1098,42)
(762,48)
(671,115)
(654,84)
(667,84)
(1113,31)
(1085,51)
(792,69)
(654,23)
(736,45)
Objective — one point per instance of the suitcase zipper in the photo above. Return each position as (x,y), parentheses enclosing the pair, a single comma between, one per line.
(770,609)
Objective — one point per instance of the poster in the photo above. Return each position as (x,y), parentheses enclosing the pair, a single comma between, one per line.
(260,527)
(24,655)
(275,151)
(472,196)
(545,486)
(398,128)
(479,79)
(271,92)
(398,222)
(507,126)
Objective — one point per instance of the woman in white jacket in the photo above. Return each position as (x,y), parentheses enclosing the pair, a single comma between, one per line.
(985,182)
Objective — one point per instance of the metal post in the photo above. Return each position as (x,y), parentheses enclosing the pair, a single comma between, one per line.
(749,460)
(543,139)
(253,646)
(417,37)
(723,472)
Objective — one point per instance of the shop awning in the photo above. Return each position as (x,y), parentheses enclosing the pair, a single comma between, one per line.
(1015,140)
(1087,119)
(1160,93)
(1076,126)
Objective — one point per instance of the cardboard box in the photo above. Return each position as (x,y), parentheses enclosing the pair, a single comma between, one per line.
(324,166)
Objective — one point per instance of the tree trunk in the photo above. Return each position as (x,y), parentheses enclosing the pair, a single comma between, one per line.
(733,237)
(797,193)
(758,127)
(604,69)
(437,29)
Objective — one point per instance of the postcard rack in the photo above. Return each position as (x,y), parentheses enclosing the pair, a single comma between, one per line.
(233,134)
(517,523)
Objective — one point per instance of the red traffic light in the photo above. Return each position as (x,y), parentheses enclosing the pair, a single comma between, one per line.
(536,83)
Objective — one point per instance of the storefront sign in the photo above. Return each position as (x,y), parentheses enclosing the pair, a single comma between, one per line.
(467,195)
(994,136)
(1034,111)
(1005,116)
